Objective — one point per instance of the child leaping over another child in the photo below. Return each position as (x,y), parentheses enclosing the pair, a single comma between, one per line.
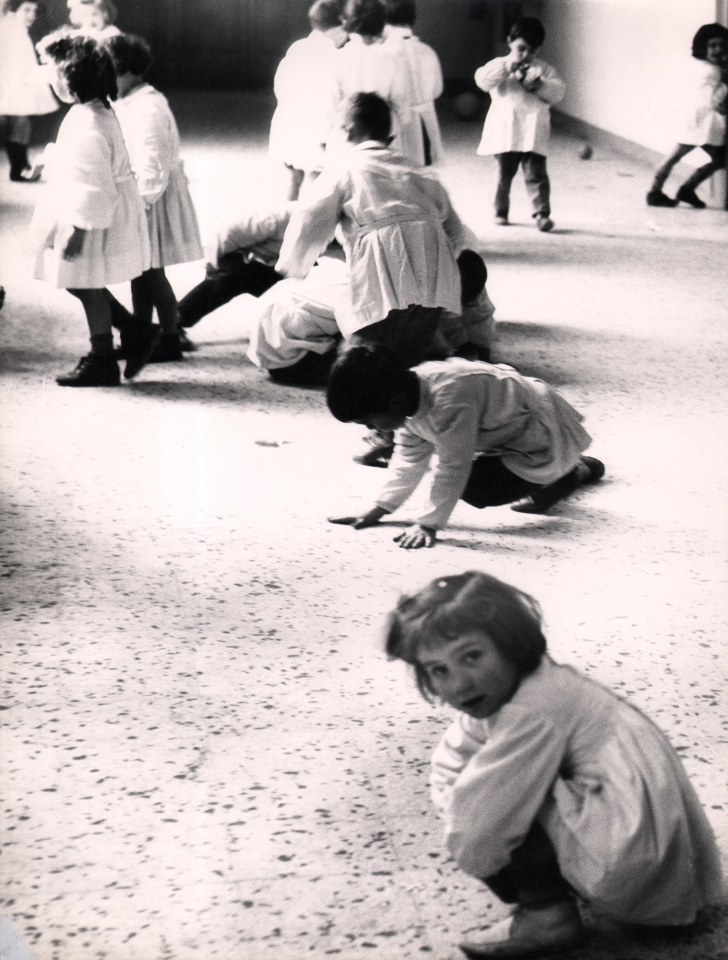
(498,437)
(550,786)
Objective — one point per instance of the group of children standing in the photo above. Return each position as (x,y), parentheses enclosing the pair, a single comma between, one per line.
(551,788)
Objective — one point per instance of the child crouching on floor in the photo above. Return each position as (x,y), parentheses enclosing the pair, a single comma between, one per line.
(499,437)
(550,786)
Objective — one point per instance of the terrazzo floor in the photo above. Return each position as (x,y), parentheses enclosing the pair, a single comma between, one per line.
(204,752)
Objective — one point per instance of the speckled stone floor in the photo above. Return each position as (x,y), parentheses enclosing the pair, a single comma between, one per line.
(204,752)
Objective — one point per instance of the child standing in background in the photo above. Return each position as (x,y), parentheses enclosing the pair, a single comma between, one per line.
(24,90)
(518,124)
(90,223)
(152,140)
(550,786)
(94,18)
(703,117)
(302,85)
(420,137)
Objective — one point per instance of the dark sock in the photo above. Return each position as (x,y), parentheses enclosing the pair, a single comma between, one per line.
(102,344)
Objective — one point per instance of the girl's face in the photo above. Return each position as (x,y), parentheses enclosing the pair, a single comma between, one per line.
(469,673)
(716,51)
(27,13)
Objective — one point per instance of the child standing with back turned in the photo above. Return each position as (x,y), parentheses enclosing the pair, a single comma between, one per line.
(703,117)
(550,786)
(518,124)
(152,139)
(90,224)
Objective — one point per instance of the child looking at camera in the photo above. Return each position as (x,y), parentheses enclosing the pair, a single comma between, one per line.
(517,128)
(498,437)
(549,785)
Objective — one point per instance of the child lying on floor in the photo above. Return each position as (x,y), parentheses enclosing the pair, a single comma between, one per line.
(499,437)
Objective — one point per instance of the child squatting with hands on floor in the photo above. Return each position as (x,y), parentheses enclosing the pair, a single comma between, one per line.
(550,786)
(498,437)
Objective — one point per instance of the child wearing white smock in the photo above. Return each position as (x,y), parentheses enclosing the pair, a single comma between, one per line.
(152,138)
(89,224)
(517,126)
(549,785)
(24,90)
(420,137)
(302,85)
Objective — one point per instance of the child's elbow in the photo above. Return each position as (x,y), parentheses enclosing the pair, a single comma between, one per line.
(481,855)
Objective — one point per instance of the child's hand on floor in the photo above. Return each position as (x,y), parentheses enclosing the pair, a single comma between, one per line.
(416,536)
(368,519)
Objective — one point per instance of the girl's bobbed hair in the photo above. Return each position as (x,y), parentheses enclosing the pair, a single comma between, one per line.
(13,6)
(369,114)
(400,13)
(84,63)
(528,29)
(363,381)
(366,17)
(469,602)
(131,54)
(709,31)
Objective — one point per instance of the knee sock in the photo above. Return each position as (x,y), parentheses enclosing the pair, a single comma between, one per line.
(102,344)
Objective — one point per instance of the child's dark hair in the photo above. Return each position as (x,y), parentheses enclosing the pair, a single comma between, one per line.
(709,31)
(528,29)
(368,114)
(13,5)
(450,607)
(326,14)
(400,13)
(131,54)
(363,381)
(85,64)
(366,17)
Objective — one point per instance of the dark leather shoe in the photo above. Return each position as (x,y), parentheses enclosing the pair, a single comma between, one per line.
(656,198)
(92,371)
(530,932)
(688,195)
(138,342)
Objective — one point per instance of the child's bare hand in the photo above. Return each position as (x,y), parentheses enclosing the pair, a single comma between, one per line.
(69,241)
(368,519)
(415,537)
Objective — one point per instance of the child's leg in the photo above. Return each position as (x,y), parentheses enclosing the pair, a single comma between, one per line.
(99,368)
(491,484)
(507,167)
(539,188)
(230,278)
(546,919)
(16,146)
(152,290)
(655,196)
(686,193)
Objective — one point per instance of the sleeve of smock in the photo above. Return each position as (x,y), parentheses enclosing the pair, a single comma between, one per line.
(457,438)
(311,228)
(453,226)
(492,803)
(85,194)
(552,87)
(460,742)
(434,71)
(491,74)
(149,148)
(407,467)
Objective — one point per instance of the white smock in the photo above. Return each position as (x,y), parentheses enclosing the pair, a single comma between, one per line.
(702,92)
(24,89)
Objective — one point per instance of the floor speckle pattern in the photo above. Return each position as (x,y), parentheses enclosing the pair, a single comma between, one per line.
(204,752)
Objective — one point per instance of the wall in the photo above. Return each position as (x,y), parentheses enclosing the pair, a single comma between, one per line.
(619,59)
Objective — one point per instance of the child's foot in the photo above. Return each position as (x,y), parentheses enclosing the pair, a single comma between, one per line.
(544,223)
(530,932)
(500,220)
(656,198)
(92,371)
(167,349)
(688,195)
(138,342)
(590,470)
(188,346)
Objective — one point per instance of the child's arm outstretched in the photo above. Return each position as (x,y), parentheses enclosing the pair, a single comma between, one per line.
(311,228)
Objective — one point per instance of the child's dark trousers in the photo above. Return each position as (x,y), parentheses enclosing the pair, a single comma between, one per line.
(233,276)
(533,877)
(537,182)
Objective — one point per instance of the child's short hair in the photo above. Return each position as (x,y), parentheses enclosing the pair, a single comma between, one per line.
(452,606)
(326,14)
(84,63)
(709,31)
(363,381)
(366,17)
(528,29)
(13,5)
(369,114)
(400,13)
(131,54)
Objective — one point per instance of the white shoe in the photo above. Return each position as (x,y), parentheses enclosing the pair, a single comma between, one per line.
(530,932)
